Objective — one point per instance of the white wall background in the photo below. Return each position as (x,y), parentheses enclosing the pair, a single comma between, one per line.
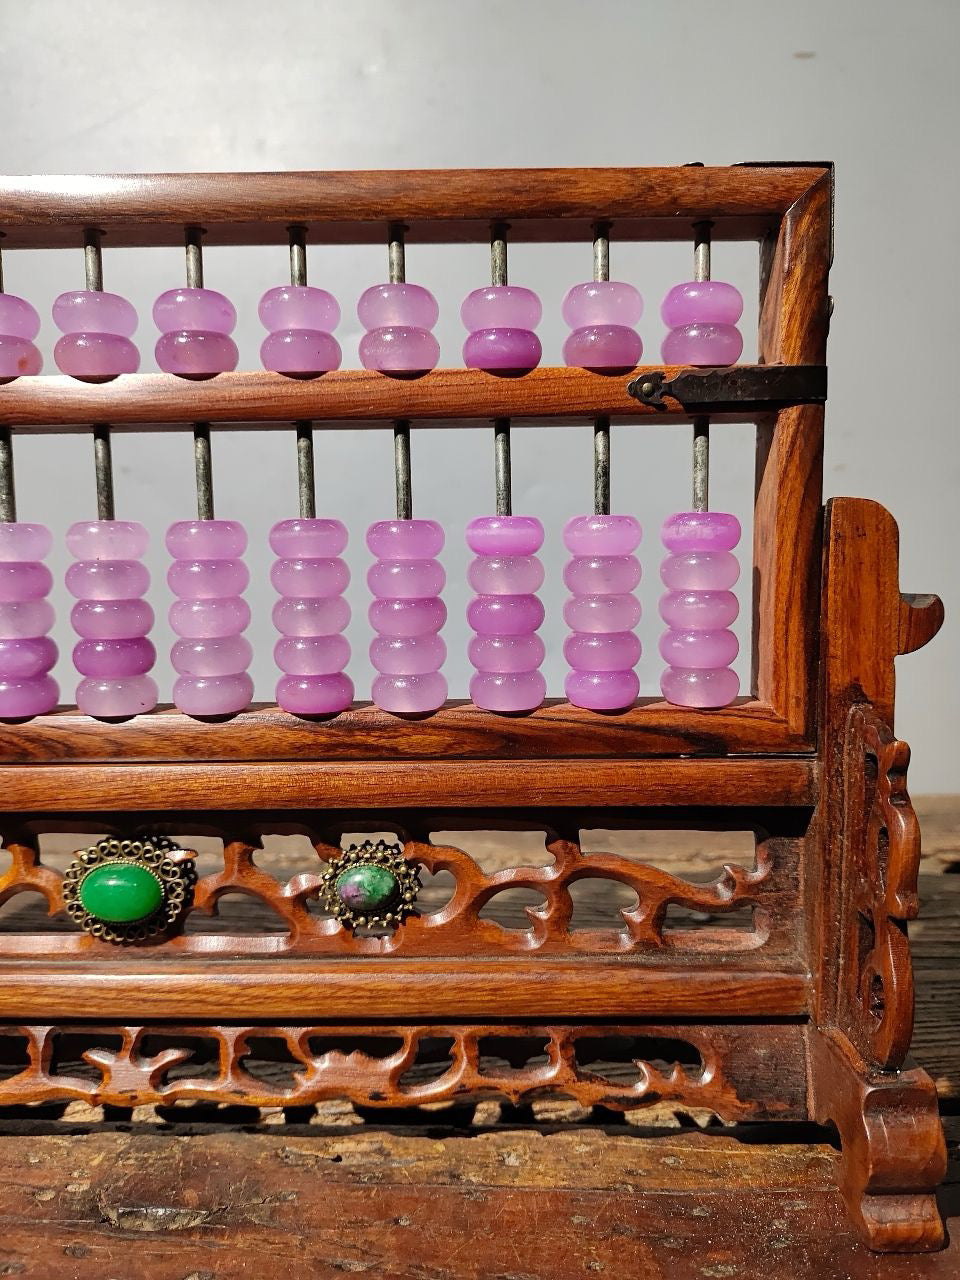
(145,85)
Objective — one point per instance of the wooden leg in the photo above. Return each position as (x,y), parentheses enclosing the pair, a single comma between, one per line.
(892,1150)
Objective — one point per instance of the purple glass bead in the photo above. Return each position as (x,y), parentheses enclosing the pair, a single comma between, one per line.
(507,654)
(311,655)
(601,575)
(505,615)
(405,539)
(300,352)
(209,619)
(609,346)
(295,306)
(213,695)
(315,695)
(27,696)
(310,579)
(107,579)
(686,687)
(508,691)
(111,619)
(505,575)
(196,354)
(700,571)
(311,617)
(88,311)
(408,655)
(206,579)
(96,355)
(24,580)
(22,619)
(501,306)
(698,610)
(405,579)
(206,539)
(132,656)
(602,690)
(107,540)
(410,694)
(699,649)
(25,658)
(211,656)
(23,541)
(702,344)
(407,617)
(18,319)
(505,535)
(494,349)
(602,613)
(602,302)
(19,358)
(602,535)
(399,349)
(315,538)
(195,310)
(602,651)
(386,306)
(701,302)
(116,697)
(700,531)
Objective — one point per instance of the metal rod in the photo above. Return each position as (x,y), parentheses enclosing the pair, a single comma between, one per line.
(498,253)
(601,424)
(306,474)
(701,249)
(501,426)
(396,255)
(192,240)
(202,459)
(102,450)
(298,255)
(8,493)
(601,251)
(93,260)
(2,234)
(701,425)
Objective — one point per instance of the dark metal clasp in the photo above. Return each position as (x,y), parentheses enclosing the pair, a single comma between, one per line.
(748,387)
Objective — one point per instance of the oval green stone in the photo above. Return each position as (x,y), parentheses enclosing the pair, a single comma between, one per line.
(367,887)
(120,893)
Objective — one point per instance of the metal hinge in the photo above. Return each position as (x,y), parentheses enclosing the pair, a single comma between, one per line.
(738,387)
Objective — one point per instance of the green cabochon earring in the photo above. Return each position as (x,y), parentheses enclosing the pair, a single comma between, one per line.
(128,890)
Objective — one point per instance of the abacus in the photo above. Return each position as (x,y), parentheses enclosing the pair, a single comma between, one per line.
(377,991)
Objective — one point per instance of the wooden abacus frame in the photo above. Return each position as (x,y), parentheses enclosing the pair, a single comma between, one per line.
(810,1019)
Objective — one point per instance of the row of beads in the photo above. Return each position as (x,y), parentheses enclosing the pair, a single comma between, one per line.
(196,325)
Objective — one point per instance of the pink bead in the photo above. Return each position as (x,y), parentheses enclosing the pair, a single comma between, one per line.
(315,695)
(96,355)
(296,306)
(685,687)
(213,695)
(111,619)
(701,302)
(410,694)
(300,352)
(89,311)
(602,535)
(22,619)
(603,347)
(195,354)
(389,305)
(702,344)
(206,539)
(211,656)
(407,617)
(601,575)
(602,690)
(406,579)
(699,649)
(32,696)
(198,310)
(209,619)
(405,539)
(311,655)
(494,349)
(308,537)
(602,651)
(698,610)
(206,579)
(107,579)
(399,349)
(505,535)
(501,306)
(700,571)
(505,575)
(602,613)
(508,691)
(116,658)
(408,655)
(310,579)
(26,658)
(18,357)
(117,697)
(18,319)
(700,531)
(507,654)
(23,541)
(107,540)
(505,615)
(311,617)
(24,580)
(602,302)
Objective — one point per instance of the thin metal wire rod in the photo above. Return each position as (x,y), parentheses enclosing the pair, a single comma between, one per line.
(192,242)
(298,255)
(306,474)
(396,256)
(93,260)
(102,448)
(601,424)
(202,458)
(8,493)
(503,482)
(2,233)
(701,425)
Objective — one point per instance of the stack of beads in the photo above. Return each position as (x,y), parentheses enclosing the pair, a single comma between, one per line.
(398,318)
(407,614)
(702,318)
(602,611)
(97,328)
(209,615)
(310,616)
(113,653)
(19,325)
(299,321)
(195,327)
(501,319)
(506,613)
(26,651)
(699,608)
(602,315)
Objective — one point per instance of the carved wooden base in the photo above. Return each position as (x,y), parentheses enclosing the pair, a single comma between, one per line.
(892,1150)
